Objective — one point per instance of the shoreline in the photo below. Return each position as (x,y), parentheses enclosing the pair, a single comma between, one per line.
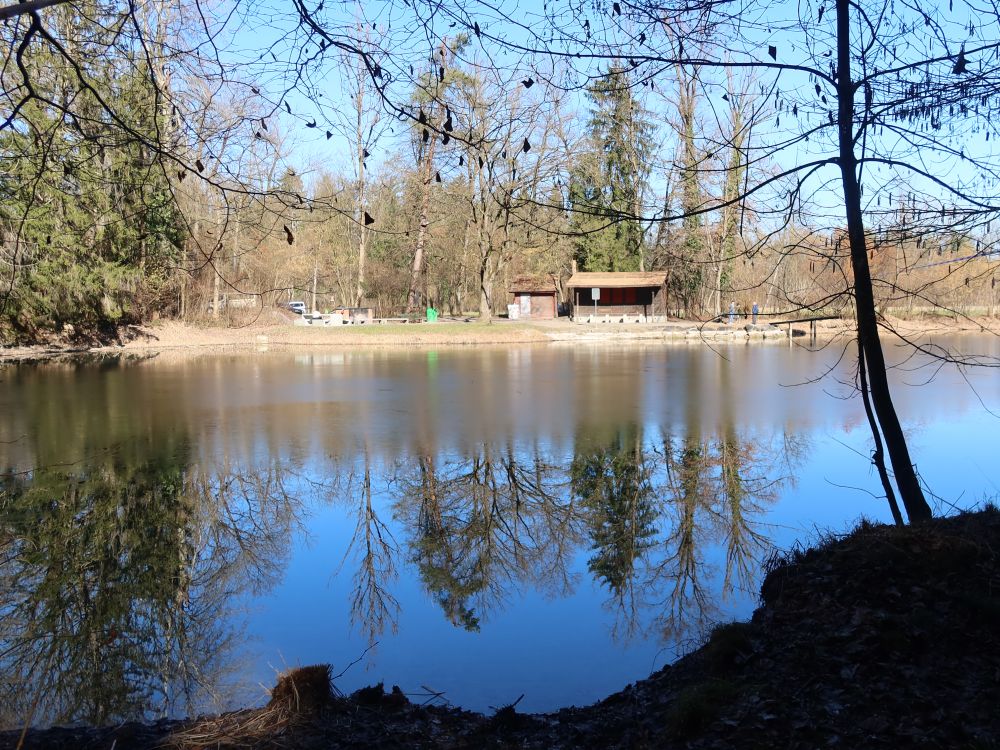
(179,337)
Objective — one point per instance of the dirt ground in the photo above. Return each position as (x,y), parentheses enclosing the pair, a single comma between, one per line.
(277,331)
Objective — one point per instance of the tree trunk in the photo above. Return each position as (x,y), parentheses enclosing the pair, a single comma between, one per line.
(214,263)
(236,246)
(692,246)
(359,292)
(359,134)
(416,270)
(463,275)
(215,292)
(485,285)
(878,455)
(912,495)
(182,301)
(718,289)
(731,190)
(186,275)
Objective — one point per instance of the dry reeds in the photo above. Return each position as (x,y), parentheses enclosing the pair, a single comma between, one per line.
(258,727)
(303,690)
(299,692)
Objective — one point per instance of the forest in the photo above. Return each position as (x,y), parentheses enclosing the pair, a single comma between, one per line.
(169,159)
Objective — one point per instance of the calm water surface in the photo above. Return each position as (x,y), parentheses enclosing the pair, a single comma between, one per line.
(485,523)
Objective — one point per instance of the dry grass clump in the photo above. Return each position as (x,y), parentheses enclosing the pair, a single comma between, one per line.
(299,692)
(303,690)
(257,727)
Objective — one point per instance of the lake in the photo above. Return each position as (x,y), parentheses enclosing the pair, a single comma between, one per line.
(472,524)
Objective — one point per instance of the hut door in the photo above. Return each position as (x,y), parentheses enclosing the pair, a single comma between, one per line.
(525,300)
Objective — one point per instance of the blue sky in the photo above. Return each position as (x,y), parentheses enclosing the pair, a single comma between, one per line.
(799,33)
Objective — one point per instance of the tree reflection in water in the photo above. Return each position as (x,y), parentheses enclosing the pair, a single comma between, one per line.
(118,581)
(120,577)
(482,526)
(374,550)
(714,493)
(484,523)
(643,474)
(613,484)
(652,512)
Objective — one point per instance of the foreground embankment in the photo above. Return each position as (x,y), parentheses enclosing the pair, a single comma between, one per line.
(883,638)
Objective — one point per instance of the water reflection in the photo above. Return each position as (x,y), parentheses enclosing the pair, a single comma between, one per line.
(613,484)
(118,581)
(120,578)
(717,493)
(146,504)
(374,550)
(478,528)
(483,523)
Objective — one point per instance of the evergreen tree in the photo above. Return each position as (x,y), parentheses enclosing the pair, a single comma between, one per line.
(88,223)
(608,182)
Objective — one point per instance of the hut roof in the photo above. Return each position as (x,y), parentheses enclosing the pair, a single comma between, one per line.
(546,283)
(617,280)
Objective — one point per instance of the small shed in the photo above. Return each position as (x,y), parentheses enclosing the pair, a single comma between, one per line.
(639,293)
(534,297)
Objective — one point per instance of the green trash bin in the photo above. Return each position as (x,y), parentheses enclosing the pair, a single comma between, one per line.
(432,315)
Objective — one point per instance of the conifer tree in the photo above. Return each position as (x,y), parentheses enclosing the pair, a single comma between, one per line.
(609,181)
(89,227)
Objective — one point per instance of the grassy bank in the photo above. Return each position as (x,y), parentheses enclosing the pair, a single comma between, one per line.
(883,638)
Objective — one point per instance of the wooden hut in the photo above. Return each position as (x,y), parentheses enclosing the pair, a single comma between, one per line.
(534,297)
(619,295)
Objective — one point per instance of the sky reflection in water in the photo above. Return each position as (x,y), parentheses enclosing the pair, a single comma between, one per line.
(549,521)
